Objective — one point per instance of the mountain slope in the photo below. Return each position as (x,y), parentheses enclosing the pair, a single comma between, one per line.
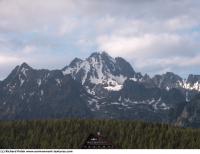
(167,81)
(100,69)
(33,94)
(190,115)
(97,87)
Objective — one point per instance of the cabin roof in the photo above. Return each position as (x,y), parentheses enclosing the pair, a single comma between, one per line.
(97,141)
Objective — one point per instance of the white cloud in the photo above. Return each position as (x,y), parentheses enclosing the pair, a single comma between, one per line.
(147,45)
(68,26)
(27,15)
(153,35)
(180,65)
(155,52)
(5,59)
(181,23)
(28,49)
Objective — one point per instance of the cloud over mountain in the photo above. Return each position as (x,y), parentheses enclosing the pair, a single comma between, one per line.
(154,35)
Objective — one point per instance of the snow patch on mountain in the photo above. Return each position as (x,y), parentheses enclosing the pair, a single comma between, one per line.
(42,92)
(114,88)
(97,69)
(134,79)
(21,80)
(39,82)
(23,70)
(68,71)
(58,82)
(190,86)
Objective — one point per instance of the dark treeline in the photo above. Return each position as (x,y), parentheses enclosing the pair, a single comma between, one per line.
(68,134)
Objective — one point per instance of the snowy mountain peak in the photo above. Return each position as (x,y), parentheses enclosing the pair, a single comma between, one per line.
(24,66)
(100,68)
(95,54)
(100,53)
(192,83)
(20,70)
(75,62)
(167,81)
(98,56)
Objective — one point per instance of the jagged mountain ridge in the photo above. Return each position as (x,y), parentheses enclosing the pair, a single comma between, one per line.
(40,94)
(101,68)
(98,87)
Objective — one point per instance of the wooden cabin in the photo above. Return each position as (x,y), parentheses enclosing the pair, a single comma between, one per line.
(97,141)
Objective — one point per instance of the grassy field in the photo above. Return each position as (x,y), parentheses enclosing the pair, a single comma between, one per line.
(71,134)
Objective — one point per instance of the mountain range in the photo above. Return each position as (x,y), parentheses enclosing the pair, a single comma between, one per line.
(100,87)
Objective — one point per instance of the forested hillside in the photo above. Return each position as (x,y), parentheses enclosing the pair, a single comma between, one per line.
(73,133)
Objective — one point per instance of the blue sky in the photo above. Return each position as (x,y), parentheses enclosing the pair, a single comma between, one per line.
(154,36)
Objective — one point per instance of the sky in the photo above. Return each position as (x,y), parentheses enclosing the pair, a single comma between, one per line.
(155,36)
